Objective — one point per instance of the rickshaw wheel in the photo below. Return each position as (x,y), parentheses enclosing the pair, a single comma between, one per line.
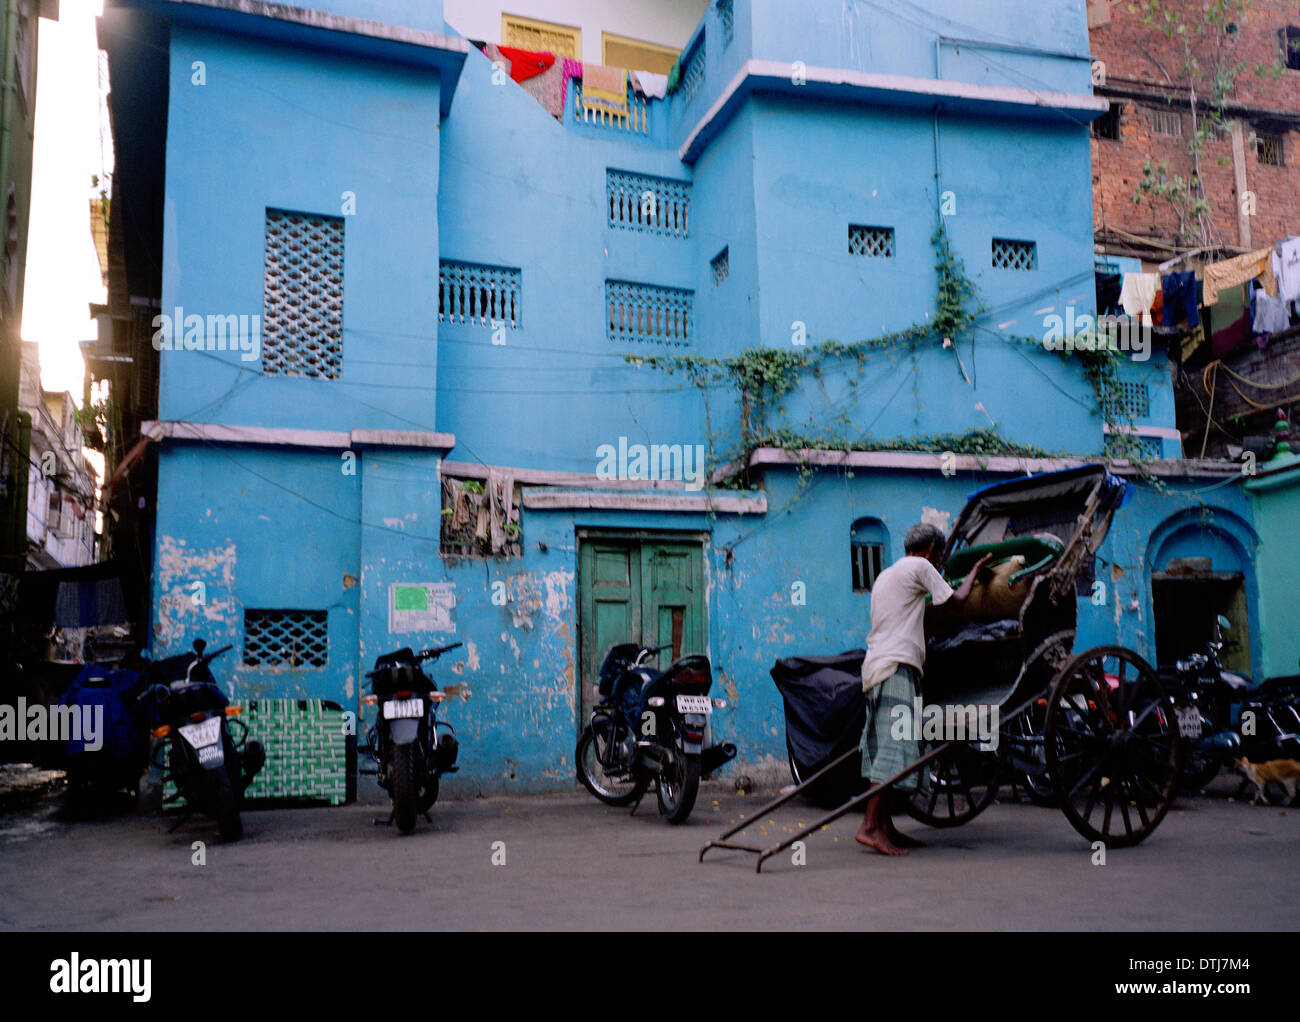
(963,783)
(1112,753)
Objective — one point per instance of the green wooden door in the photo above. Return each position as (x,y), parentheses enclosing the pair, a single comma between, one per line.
(647,591)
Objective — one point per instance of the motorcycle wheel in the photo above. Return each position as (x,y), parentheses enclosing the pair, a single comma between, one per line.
(225,803)
(679,782)
(404,787)
(611,791)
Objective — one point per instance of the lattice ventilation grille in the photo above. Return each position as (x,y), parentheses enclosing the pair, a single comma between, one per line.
(1130,400)
(1014,255)
(721,264)
(646,312)
(640,202)
(693,73)
(302,322)
(482,295)
(286,638)
(874,242)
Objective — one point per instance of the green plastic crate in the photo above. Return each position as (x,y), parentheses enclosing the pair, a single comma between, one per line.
(307,752)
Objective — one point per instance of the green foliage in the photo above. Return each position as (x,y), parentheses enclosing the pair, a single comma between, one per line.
(761,377)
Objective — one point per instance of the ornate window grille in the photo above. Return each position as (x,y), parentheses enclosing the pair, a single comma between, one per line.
(639,202)
(721,264)
(873,242)
(693,72)
(302,299)
(648,313)
(286,638)
(1014,255)
(479,295)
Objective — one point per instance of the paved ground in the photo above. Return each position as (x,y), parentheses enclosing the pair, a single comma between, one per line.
(573,863)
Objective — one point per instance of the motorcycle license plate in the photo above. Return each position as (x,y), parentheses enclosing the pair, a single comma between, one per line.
(396,708)
(205,739)
(694,704)
(1189,721)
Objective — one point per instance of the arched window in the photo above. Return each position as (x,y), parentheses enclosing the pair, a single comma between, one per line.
(869,546)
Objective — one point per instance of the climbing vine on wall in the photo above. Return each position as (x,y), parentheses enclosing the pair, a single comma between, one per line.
(761,377)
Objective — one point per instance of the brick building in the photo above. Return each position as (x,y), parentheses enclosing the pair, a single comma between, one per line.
(1238,151)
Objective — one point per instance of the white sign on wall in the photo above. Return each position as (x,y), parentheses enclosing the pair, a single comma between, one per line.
(422,607)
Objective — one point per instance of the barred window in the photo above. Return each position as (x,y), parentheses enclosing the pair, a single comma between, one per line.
(1014,255)
(286,638)
(1167,122)
(647,312)
(302,300)
(727,18)
(481,295)
(873,242)
(868,541)
(1268,148)
(721,264)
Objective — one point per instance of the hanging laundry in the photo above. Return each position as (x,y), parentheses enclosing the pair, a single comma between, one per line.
(548,89)
(572,69)
(1229,321)
(1179,290)
(1285,263)
(1108,288)
(674,76)
(649,84)
(1232,272)
(605,88)
(526,63)
(1268,314)
(1138,294)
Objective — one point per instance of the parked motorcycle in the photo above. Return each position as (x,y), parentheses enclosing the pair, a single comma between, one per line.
(208,755)
(650,725)
(1218,699)
(404,741)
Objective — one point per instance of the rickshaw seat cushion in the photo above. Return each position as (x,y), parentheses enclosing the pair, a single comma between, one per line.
(1039,551)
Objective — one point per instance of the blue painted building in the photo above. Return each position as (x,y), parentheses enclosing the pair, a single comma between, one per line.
(396,298)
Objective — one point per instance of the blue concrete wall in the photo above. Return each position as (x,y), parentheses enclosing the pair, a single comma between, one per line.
(295,130)
(257,528)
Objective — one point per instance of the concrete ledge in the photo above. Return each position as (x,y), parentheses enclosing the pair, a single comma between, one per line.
(279,437)
(876,88)
(682,502)
(926,462)
(547,477)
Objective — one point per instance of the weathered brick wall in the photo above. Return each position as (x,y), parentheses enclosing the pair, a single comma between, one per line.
(1139,57)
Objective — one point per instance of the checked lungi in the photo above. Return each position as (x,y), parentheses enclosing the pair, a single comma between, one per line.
(883,755)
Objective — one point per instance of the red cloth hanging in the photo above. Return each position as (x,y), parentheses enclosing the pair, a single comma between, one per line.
(526,63)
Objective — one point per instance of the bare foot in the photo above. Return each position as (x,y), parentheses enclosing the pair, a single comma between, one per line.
(903,840)
(879,840)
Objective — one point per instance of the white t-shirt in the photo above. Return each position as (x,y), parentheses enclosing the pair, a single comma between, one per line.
(898,617)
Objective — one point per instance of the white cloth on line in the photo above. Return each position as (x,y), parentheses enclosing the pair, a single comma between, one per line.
(1138,294)
(1286,268)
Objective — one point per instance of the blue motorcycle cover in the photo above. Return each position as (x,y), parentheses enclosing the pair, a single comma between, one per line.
(114,691)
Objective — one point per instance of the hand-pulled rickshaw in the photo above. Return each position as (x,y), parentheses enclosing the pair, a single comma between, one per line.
(1095,728)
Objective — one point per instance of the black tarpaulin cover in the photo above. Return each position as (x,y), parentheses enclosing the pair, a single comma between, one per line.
(825,707)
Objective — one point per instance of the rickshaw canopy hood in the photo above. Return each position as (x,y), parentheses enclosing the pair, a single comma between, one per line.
(1048,502)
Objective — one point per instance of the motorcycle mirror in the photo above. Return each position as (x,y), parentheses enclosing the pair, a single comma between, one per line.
(199,646)
(1224,623)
